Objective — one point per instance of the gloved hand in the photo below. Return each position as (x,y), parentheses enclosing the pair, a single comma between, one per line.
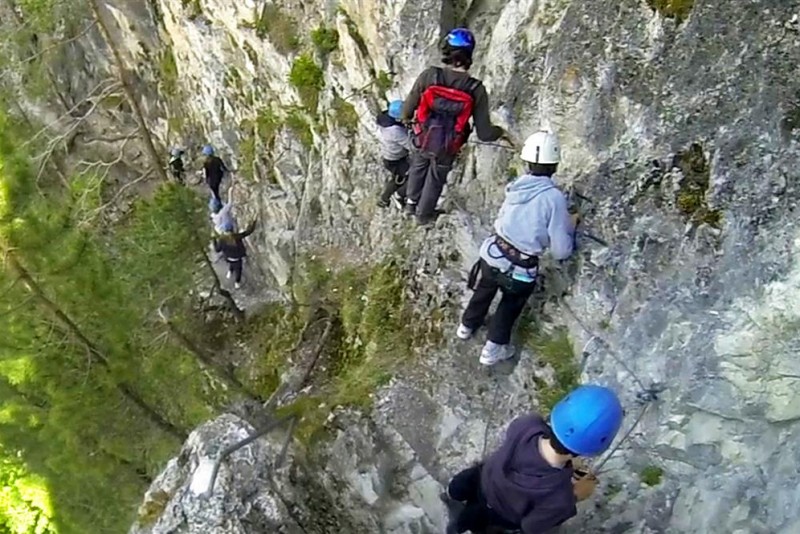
(583,486)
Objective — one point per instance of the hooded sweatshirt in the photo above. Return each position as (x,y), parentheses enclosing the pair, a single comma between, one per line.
(521,486)
(534,217)
(393,136)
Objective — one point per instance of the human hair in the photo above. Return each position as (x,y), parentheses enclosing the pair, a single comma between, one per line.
(542,169)
(555,443)
(456,57)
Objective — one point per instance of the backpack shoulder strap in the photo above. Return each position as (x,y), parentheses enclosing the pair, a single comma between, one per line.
(471,86)
(438,76)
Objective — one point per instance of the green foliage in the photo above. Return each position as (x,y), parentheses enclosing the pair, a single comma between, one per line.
(383,81)
(66,417)
(308,79)
(168,71)
(345,115)
(554,349)
(279,27)
(193,7)
(651,475)
(25,506)
(674,9)
(691,196)
(299,126)
(233,79)
(325,40)
(375,331)
(251,53)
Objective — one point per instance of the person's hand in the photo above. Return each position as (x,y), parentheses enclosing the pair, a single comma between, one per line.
(576,219)
(583,486)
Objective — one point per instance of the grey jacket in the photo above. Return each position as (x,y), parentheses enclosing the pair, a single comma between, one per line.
(533,218)
(394,139)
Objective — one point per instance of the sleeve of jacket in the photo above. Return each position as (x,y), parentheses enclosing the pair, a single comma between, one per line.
(412,100)
(560,229)
(542,519)
(484,128)
(247,231)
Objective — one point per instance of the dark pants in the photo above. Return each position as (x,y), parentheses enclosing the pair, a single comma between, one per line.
(214,186)
(398,181)
(476,516)
(515,295)
(426,179)
(235,268)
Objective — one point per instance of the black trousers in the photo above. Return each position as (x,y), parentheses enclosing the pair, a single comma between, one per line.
(397,181)
(214,186)
(426,179)
(476,516)
(515,295)
(235,268)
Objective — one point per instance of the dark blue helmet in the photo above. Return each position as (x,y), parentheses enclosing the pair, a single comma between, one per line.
(461,38)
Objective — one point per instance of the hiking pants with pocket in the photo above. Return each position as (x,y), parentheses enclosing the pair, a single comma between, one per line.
(426,179)
(397,181)
(476,516)
(514,296)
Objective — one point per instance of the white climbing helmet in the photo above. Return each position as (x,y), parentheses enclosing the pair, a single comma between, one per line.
(541,147)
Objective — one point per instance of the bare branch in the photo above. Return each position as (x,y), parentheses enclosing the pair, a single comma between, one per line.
(60,43)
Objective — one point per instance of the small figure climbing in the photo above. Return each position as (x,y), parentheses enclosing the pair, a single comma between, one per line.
(222,214)
(231,245)
(215,170)
(441,104)
(395,146)
(529,483)
(176,167)
(534,217)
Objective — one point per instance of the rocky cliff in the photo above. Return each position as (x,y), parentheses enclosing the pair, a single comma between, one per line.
(679,119)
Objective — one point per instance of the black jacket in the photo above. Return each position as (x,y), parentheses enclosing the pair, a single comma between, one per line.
(215,169)
(232,245)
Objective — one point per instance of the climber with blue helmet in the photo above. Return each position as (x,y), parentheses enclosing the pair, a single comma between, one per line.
(529,483)
(441,104)
(215,170)
(176,166)
(395,145)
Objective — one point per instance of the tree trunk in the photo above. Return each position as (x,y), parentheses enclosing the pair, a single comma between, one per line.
(97,356)
(130,92)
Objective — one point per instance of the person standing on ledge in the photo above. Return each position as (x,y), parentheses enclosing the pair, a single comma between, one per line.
(440,105)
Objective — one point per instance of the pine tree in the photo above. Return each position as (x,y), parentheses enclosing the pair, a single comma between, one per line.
(88,371)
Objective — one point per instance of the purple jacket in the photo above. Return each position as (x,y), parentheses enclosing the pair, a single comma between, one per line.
(521,486)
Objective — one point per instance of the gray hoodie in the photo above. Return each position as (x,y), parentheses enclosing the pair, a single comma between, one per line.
(534,217)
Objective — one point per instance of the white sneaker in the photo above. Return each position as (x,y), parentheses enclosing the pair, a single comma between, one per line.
(237,285)
(463,332)
(493,353)
(228,276)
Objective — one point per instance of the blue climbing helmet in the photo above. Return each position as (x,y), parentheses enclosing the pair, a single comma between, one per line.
(208,150)
(396,109)
(587,420)
(227,227)
(461,38)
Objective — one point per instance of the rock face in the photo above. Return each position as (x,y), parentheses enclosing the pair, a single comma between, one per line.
(682,125)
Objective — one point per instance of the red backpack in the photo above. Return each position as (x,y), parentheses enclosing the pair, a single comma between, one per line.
(442,118)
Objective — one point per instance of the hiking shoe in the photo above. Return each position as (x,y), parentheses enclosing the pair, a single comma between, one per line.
(463,332)
(228,276)
(383,203)
(237,285)
(493,353)
(410,209)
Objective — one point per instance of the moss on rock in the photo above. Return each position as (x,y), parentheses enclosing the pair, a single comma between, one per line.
(674,9)
(691,196)
(308,79)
